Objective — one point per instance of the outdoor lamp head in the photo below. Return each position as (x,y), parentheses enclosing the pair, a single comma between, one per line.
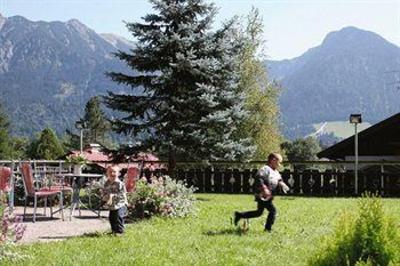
(80,124)
(355,118)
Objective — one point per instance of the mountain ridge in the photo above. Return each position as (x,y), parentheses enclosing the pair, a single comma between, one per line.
(49,70)
(346,74)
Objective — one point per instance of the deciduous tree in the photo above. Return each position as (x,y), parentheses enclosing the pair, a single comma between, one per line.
(302,149)
(262,126)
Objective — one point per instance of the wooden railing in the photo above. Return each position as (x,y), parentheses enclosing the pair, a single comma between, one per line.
(313,178)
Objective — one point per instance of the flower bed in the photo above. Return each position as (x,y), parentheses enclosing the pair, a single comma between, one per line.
(12,231)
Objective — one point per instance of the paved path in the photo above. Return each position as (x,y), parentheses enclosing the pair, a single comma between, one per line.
(52,229)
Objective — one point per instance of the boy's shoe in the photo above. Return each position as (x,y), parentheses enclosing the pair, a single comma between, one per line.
(236,218)
(267,230)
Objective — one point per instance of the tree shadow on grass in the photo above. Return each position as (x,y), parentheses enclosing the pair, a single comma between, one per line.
(101,234)
(230,231)
(96,234)
(39,218)
(86,235)
(288,198)
(90,217)
(63,237)
(202,199)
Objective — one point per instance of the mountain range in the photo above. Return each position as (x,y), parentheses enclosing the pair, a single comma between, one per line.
(49,70)
(352,71)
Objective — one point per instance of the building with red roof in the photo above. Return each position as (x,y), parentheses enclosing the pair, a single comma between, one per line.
(94,153)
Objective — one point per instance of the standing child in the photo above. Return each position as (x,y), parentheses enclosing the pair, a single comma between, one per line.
(114,194)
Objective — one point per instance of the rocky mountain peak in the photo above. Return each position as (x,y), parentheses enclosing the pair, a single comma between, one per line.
(117,41)
(353,38)
(2,21)
(348,73)
(49,70)
(78,26)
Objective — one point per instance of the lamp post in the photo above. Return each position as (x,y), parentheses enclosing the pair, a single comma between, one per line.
(81,125)
(355,119)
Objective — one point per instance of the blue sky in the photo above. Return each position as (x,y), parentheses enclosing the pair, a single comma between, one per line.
(291,26)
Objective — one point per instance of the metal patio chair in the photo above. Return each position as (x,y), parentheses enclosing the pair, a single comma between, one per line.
(42,193)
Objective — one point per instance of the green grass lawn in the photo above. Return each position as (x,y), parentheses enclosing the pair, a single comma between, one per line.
(209,238)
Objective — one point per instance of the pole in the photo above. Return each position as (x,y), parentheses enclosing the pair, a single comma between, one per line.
(356,159)
(81,140)
(12,186)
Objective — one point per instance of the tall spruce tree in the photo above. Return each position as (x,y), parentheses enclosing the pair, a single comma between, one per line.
(96,130)
(5,140)
(97,126)
(47,146)
(262,126)
(185,99)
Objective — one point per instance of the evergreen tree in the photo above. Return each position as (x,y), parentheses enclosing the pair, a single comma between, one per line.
(5,141)
(186,99)
(261,93)
(70,141)
(97,126)
(47,147)
(19,147)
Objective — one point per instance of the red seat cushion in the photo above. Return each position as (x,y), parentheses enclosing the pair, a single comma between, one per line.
(45,193)
(5,174)
(59,187)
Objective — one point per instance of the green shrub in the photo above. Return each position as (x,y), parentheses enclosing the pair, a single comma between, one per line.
(368,238)
(163,196)
(93,193)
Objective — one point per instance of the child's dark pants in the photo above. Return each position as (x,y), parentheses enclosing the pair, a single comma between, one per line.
(116,218)
(261,205)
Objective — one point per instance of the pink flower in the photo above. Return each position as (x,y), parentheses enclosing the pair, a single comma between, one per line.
(19,219)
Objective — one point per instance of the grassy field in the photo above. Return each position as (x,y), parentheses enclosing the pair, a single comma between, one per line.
(209,238)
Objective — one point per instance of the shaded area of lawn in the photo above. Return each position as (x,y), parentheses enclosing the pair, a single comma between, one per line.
(209,238)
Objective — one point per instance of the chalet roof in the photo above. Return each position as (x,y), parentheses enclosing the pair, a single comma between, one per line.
(92,153)
(381,139)
(95,154)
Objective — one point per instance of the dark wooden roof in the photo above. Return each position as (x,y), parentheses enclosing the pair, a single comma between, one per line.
(382,138)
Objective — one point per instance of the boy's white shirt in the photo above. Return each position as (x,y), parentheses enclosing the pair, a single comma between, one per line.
(110,199)
(112,195)
(273,176)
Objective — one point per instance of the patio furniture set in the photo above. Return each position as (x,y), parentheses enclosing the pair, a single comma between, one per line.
(62,183)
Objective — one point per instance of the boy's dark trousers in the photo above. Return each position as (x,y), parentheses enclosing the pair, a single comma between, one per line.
(116,218)
(261,205)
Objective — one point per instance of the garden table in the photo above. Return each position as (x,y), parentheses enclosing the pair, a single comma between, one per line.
(78,180)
